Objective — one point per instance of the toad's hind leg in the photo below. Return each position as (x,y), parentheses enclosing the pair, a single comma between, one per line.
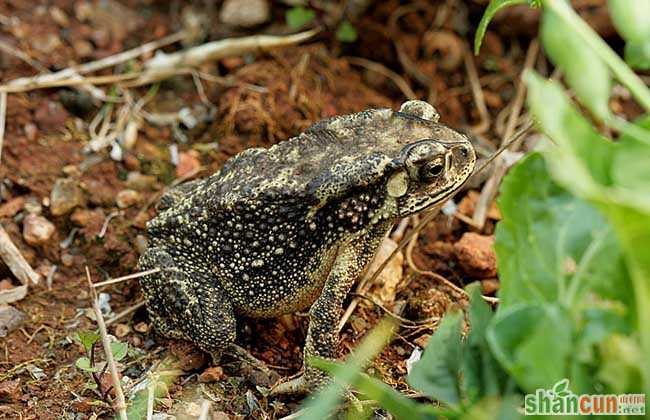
(185,301)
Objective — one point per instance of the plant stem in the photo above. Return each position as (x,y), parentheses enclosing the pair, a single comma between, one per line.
(621,70)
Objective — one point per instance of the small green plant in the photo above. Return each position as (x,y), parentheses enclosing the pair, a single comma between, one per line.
(96,370)
(298,17)
(573,245)
(346,32)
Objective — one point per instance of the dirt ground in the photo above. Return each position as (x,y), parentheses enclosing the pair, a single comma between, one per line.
(66,206)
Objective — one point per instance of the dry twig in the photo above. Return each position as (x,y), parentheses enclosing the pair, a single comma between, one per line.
(120,406)
(15,260)
(383,70)
(477,92)
(124,278)
(492,184)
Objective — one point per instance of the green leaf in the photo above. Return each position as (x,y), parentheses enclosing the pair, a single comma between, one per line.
(583,69)
(87,339)
(437,373)
(482,376)
(346,32)
(550,245)
(579,161)
(119,350)
(637,54)
(519,337)
(297,17)
(84,364)
(492,9)
(631,18)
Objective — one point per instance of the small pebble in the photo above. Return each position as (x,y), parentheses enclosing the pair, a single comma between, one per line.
(12,207)
(10,391)
(65,196)
(476,255)
(244,13)
(137,181)
(211,374)
(122,330)
(10,319)
(127,198)
(67,259)
(37,230)
(31,131)
(188,164)
(141,327)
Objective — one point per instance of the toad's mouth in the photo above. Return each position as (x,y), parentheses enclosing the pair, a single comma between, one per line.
(442,196)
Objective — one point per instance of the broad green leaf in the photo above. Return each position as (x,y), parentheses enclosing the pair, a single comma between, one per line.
(84,364)
(631,165)
(492,9)
(119,350)
(550,245)
(87,339)
(583,159)
(578,161)
(490,408)
(621,364)
(631,18)
(637,54)
(481,373)
(346,32)
(297,17)
(438,373)
(583,69)
(533,342)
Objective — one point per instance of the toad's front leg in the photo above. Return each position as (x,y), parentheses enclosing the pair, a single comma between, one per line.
(324,315)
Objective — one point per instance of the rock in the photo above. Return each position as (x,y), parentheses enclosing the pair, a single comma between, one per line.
(189,357)
(84,217)
(140,243)
(10,391)
(489,286)
(211,374)
(220,415)
(67,260)
(10,319)
(428,303)
(46,43)
(12,207)
(476,255)
(188,164)
(50,115)
(33,206)
(37,230)
(244,13)
(137,181)
(391,275)
(31,131)
(127,198)
(141,327)
(83,48)
(122,330)
(59,17)
(65,196)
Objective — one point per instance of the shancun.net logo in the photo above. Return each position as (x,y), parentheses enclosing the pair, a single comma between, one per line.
(560,400)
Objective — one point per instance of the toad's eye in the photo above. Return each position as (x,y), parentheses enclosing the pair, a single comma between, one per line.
(432,169)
